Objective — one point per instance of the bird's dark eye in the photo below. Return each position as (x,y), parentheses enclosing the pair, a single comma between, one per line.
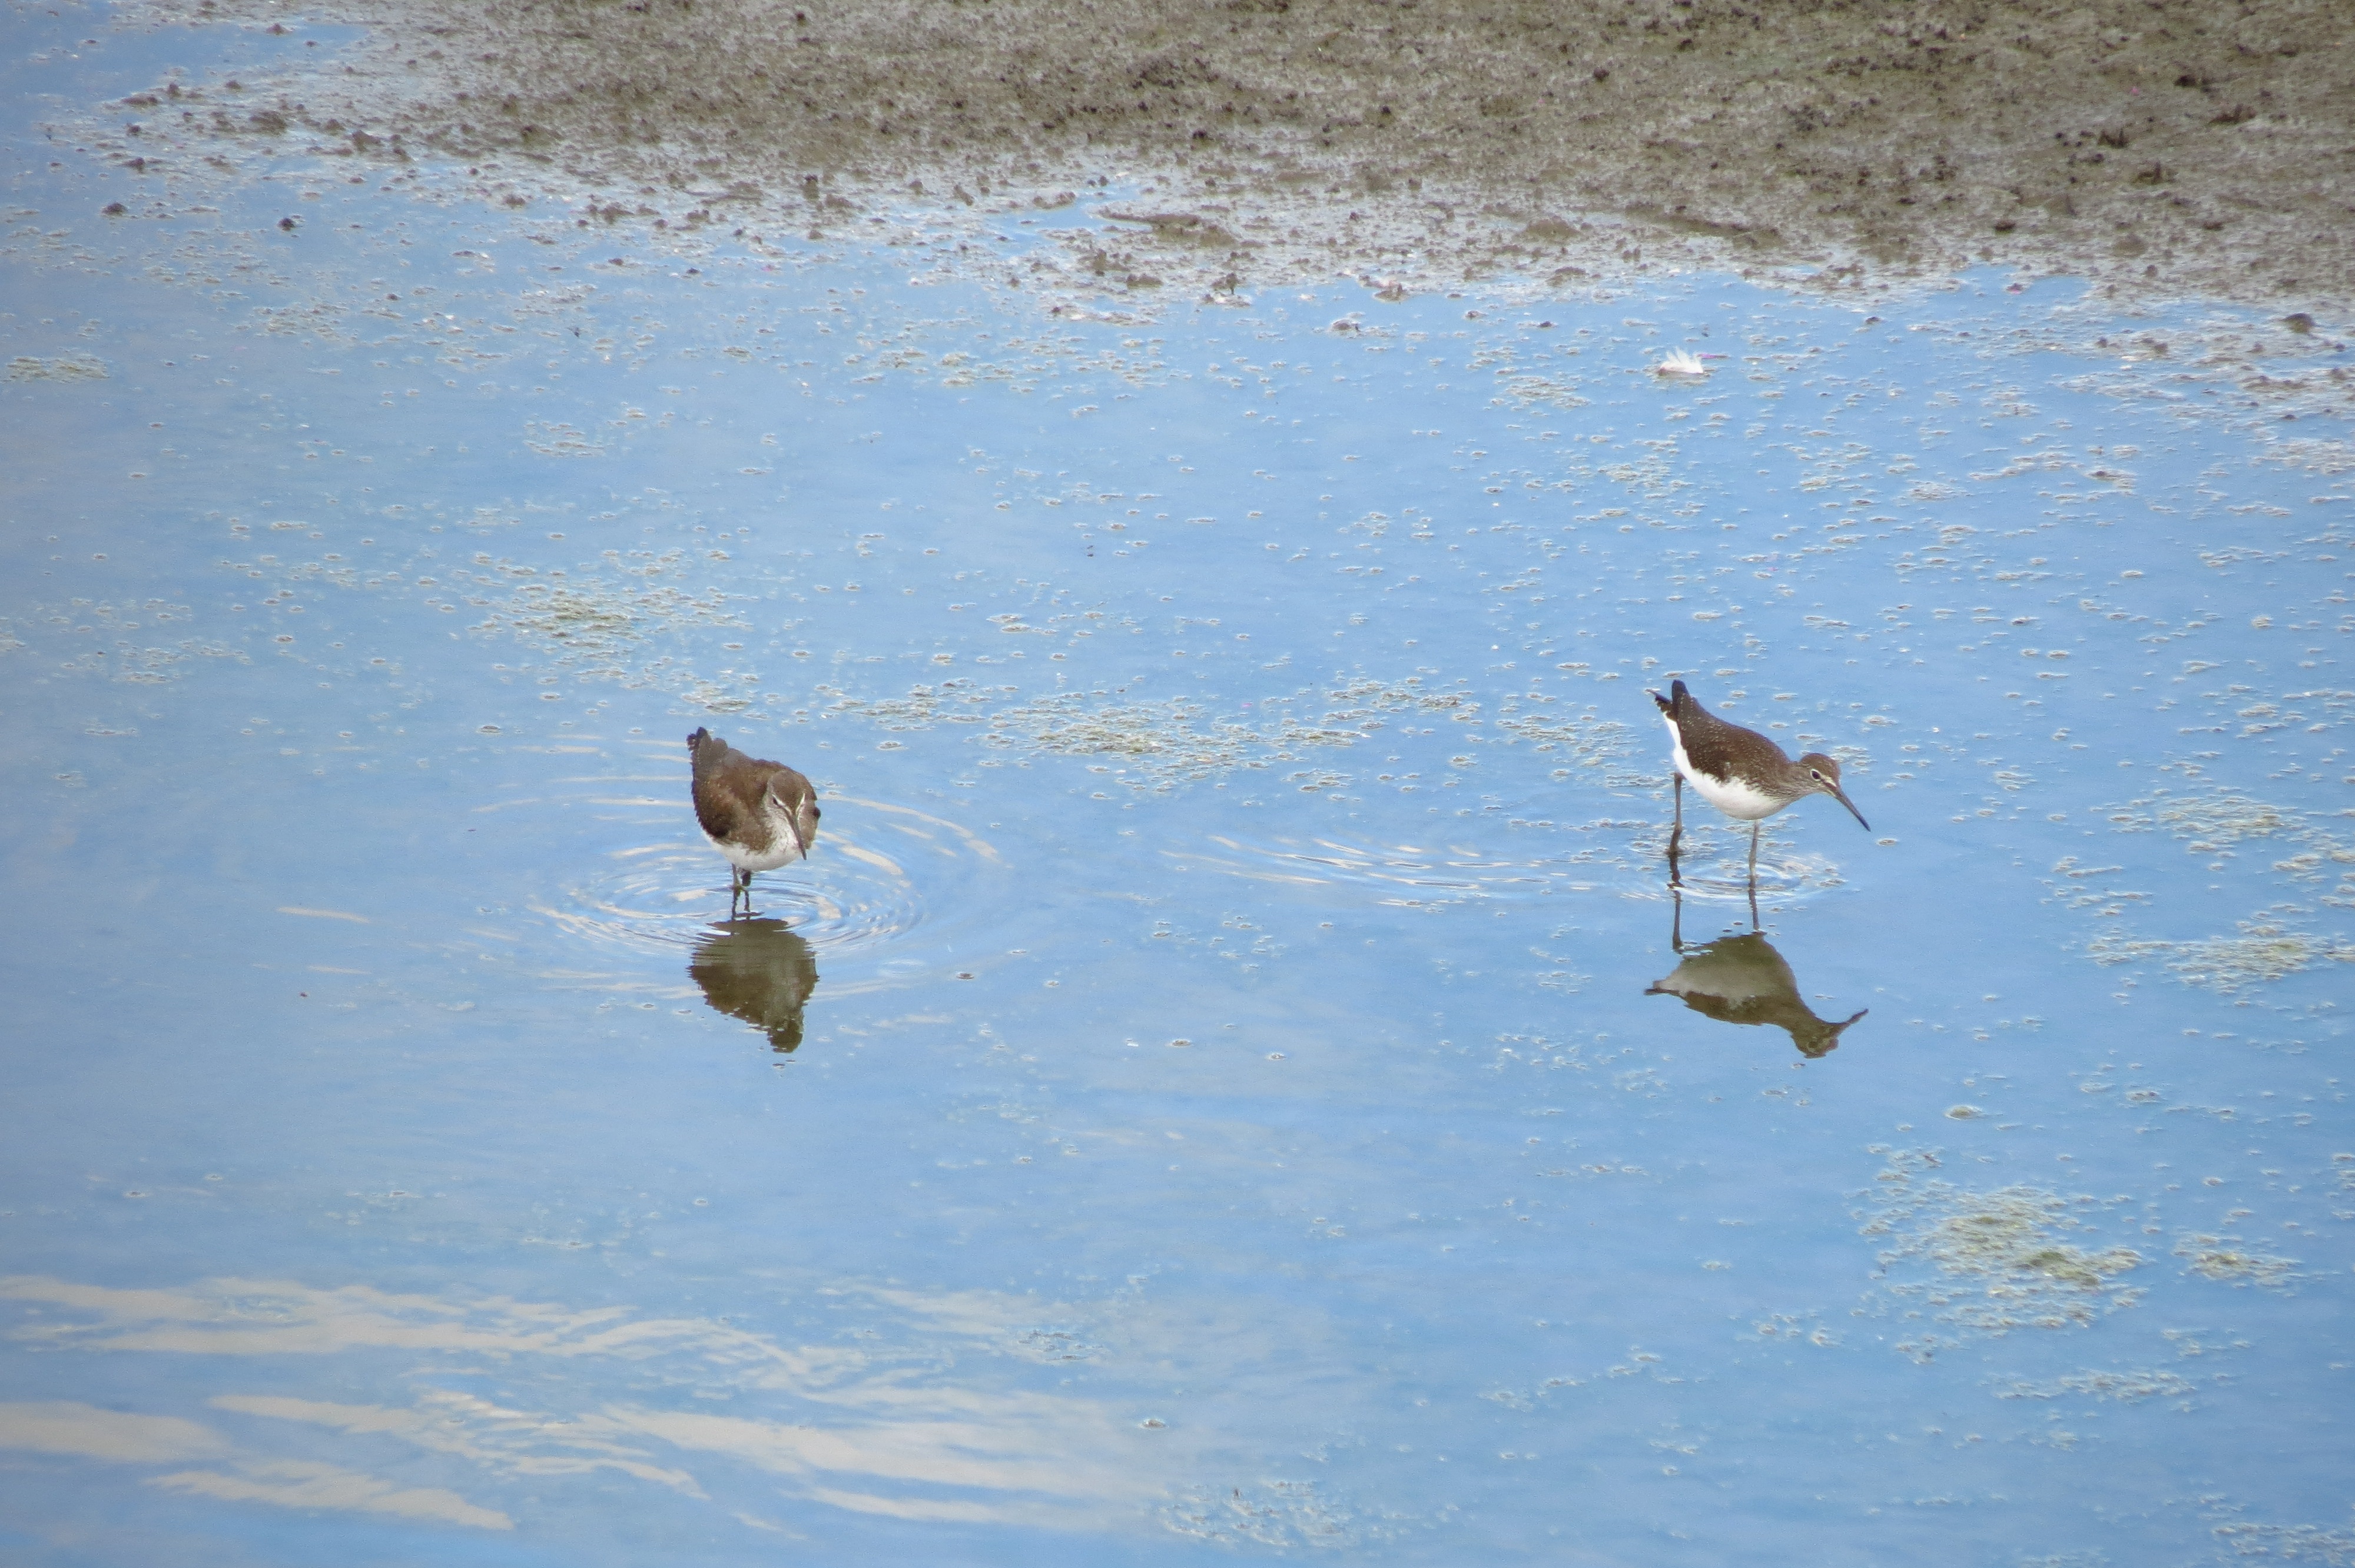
(815,814)
(1818,774)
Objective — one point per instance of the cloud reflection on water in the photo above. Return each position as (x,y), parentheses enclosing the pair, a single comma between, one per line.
(69,1426)
(936,1432)
(308,1483)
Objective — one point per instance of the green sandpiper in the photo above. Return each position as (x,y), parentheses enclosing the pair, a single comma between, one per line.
(761,815)
(1738,770)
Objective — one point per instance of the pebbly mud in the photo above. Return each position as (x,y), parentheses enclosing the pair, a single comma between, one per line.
(2157,148)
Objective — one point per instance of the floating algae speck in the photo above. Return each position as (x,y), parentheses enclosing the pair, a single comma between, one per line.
(560,440)
(2264,950)
(1270,1513)
(592,619)
(2325,458)
(2127,1387)
(2208,822)
(2268,947)
(2224,1259)
(64,368)
(1365,695)
(598,629)
(2289,1543)
(1583,738)
(88,637)
(1162,735)
(1157,740)
(1550,391)
(1994,1261)
(949,702)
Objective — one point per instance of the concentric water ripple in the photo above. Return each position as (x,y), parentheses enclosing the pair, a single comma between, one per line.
(1724,878)
(660,895)
(879,873)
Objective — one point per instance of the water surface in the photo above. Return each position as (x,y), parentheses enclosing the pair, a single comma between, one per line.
(1227,1084)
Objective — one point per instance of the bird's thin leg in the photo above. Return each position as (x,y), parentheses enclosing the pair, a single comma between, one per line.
(747,896)
(1754,873)
(735,888)
(1677,833)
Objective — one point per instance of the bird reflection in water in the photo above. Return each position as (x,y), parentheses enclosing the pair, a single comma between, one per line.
(758,971)
(1743,979)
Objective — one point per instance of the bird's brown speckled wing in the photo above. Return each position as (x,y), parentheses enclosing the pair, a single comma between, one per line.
(713,809)
(1714,745)
(720,788)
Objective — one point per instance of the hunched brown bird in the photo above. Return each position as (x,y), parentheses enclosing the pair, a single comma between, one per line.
(761,815)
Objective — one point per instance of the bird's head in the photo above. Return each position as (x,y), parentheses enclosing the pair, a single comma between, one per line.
(1823,775)
(798,803)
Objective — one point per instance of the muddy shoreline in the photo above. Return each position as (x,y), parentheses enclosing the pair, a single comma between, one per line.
(2156,149)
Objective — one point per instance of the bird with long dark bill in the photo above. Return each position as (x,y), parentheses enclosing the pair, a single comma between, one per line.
(761,815)
(1738,771)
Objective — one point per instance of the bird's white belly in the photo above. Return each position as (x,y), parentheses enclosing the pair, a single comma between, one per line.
(783,851)
(783,847)
(1731,796)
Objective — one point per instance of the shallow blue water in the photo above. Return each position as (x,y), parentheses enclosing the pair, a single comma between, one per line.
(1241,1102)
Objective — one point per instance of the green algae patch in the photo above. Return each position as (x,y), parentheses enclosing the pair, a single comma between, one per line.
(2206,823)
(598,628)
(2131,1387)
(1984,1264)
(2228,1261)
(63,367)
(2264,951)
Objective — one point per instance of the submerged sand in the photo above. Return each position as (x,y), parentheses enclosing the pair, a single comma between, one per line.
(2177,147)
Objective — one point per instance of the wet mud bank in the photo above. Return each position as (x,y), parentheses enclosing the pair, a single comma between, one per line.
(2160,149)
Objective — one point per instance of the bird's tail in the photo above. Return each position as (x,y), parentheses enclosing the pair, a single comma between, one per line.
(696,742)
(1673,701)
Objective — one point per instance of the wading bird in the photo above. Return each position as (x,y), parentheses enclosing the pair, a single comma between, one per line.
(761,815)
(1738,770)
